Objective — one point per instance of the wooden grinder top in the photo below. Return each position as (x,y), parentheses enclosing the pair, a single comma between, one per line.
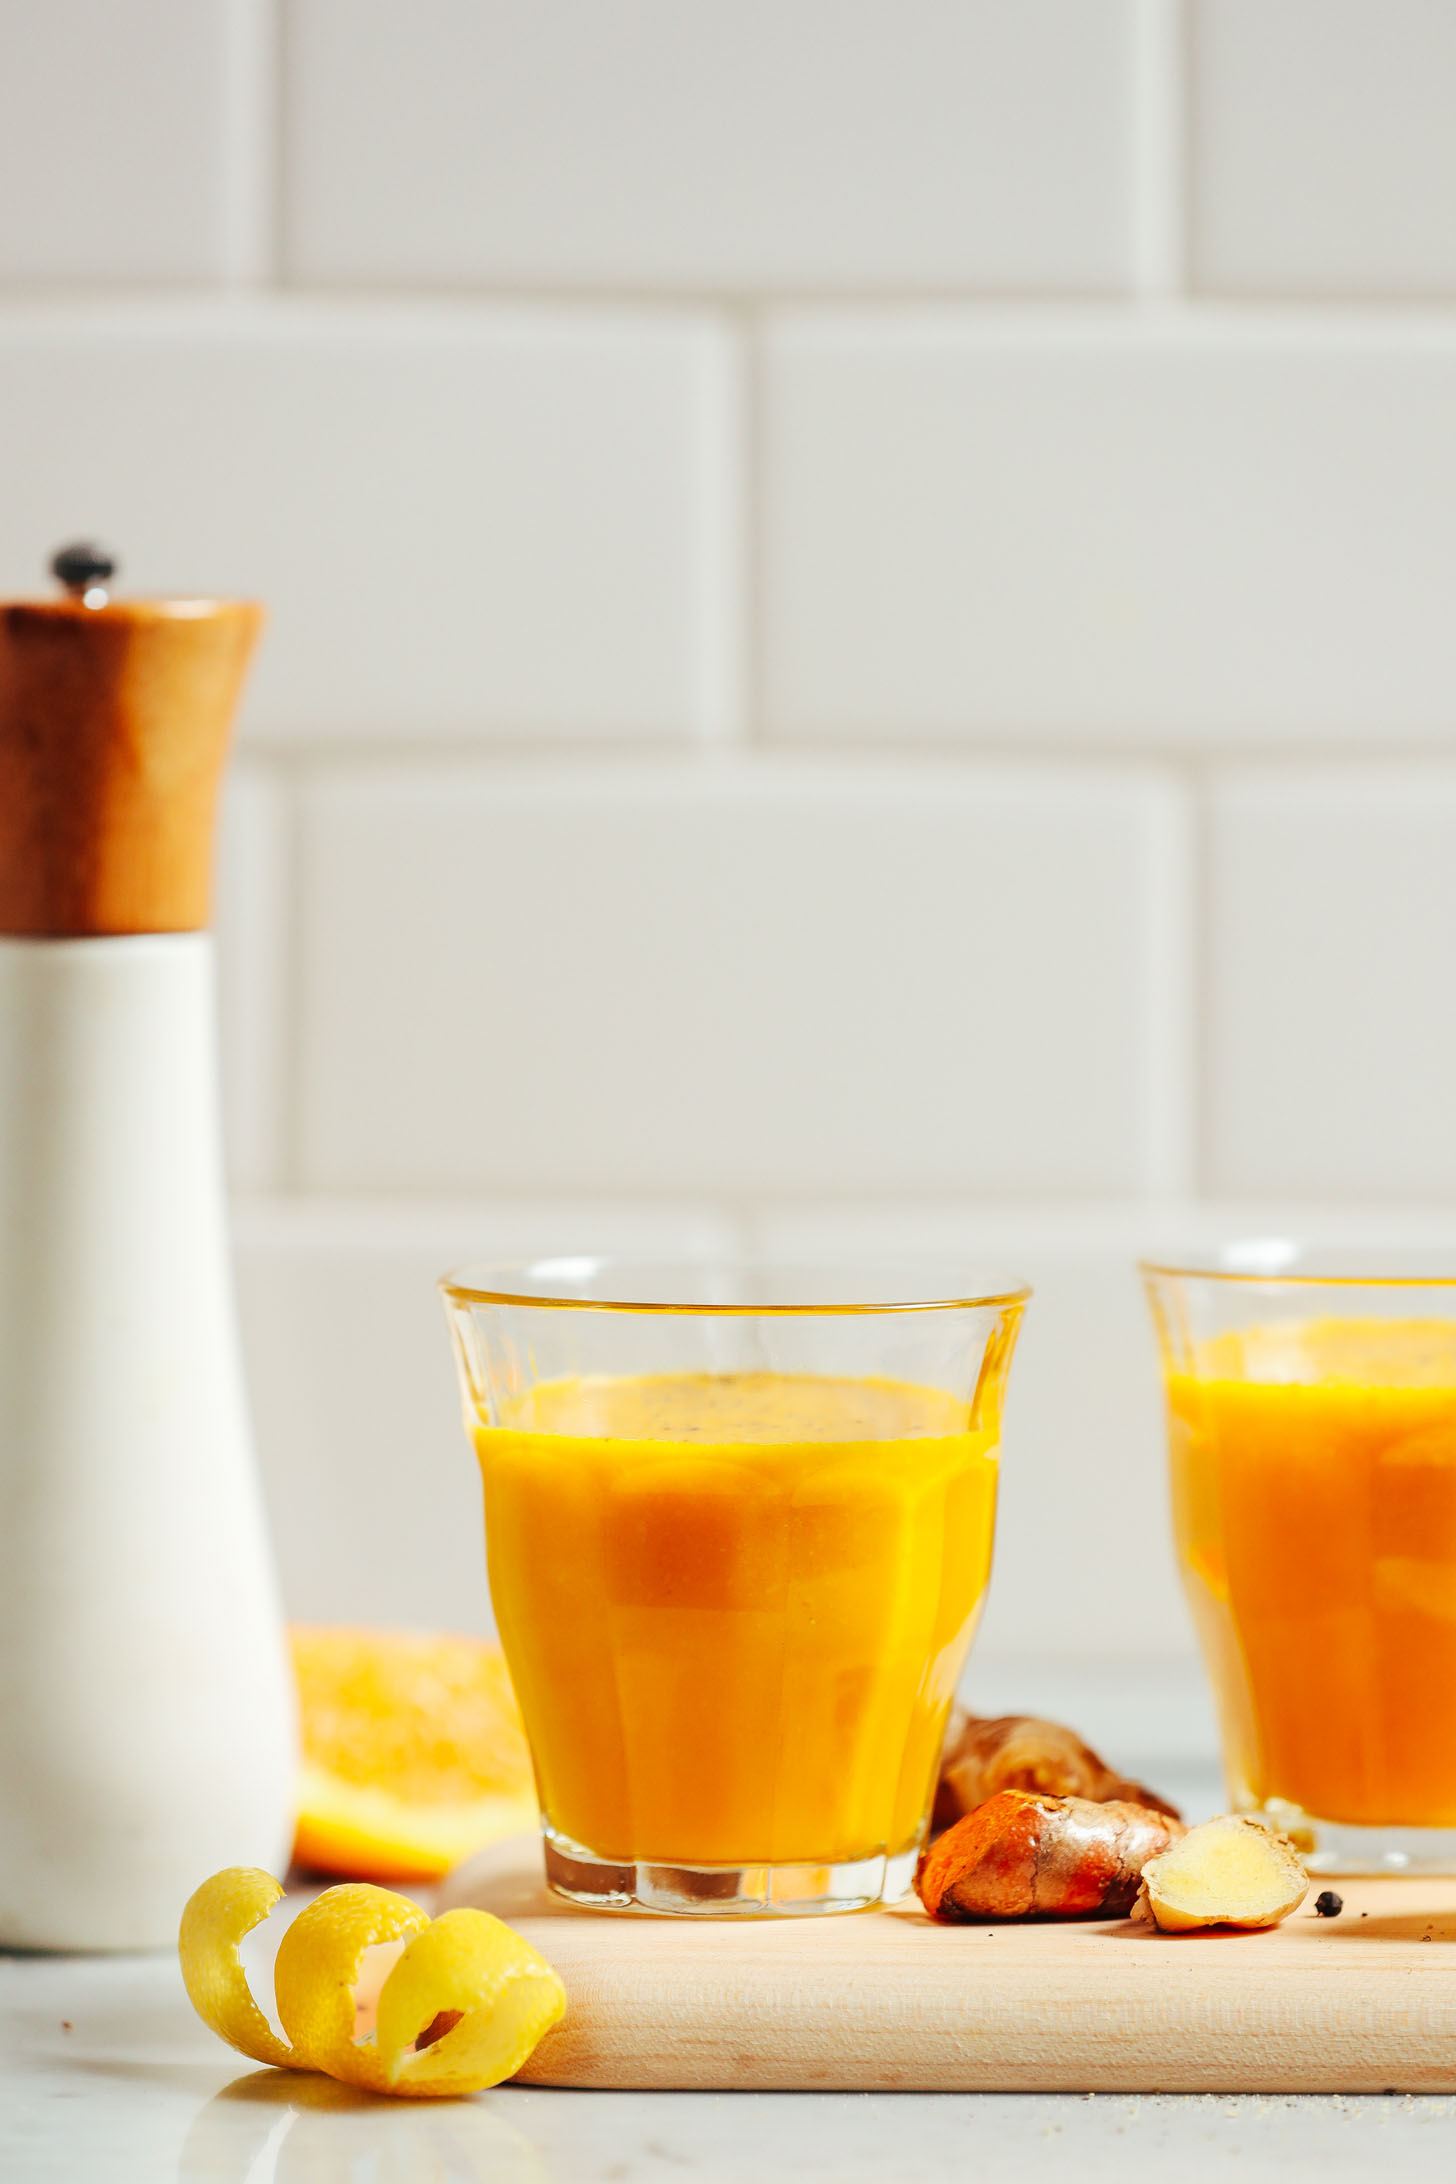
(114,724)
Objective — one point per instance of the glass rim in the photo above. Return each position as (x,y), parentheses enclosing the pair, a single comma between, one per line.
(1279,1262)
(501,1283)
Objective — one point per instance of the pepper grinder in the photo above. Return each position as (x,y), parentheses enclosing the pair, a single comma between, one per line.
(146,1704)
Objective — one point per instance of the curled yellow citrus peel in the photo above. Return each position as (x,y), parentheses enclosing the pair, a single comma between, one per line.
(461,2009)
(317,1970)
(217,1917)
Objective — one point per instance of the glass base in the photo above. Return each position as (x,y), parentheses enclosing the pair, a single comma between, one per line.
(724,1892)
(1330,1846)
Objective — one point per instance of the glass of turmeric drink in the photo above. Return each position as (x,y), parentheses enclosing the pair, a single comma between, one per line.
(738,1528)
(1312,1425)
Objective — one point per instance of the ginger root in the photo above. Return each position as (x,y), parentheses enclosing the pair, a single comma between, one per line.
(1020,1752)
(1021,1855)
(1232,1871)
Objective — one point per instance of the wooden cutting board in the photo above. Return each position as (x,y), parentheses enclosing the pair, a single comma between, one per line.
(886,2000)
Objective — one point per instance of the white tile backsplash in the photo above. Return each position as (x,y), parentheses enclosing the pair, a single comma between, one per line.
(372,1489)
(861,659)
(751,978)
(253,914)
(115,141)
(1080,532)
(1323,152)
(1332,993)
(731,144)
(483,522)
(1149,1714)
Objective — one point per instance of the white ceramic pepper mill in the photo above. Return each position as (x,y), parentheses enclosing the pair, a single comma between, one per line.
(146,1709)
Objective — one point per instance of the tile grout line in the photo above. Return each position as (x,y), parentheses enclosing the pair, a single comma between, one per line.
(1058,1223)
(250,213)
(490,751)
(256,300)
(1171,959)
(283,18)
(248,906)
(1204,782)
(292,786)
(271,1067)
(1160,151)
(755,531)
(726,607)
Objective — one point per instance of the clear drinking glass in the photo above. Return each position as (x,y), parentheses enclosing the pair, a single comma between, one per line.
(1312,1424)
(738,1525)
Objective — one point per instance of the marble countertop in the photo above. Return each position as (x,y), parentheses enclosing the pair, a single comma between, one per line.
(107,2077)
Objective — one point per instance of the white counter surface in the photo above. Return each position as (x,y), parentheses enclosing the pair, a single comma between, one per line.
(106,2077)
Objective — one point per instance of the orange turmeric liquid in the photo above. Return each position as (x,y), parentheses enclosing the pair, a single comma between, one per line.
(1317,1530)
(735,1607)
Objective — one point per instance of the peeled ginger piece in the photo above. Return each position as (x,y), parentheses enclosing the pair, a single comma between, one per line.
(1232,1871)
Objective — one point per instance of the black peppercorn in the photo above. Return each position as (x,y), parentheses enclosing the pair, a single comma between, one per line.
(1327,1905)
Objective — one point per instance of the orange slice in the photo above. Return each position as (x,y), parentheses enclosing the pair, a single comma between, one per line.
(413,1753)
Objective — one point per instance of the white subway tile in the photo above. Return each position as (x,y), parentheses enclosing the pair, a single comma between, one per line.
(723,979)
(372,1489)
(1149,1713)
(1323,150)
(1332,1032)
(740,144)
(114,140)
(1069,531)
(252,915)
(1083,1485)
(496,521)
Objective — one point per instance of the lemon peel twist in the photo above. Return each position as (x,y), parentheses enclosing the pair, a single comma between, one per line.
(477,1995)
(217,1917)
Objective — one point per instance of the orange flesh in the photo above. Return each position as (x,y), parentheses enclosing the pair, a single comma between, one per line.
(413,1754)
(736,1607)
(1316,1527)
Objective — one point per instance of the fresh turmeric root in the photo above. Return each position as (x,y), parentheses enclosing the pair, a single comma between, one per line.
(1020,1856)
(983,1755)
(1232,1871)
